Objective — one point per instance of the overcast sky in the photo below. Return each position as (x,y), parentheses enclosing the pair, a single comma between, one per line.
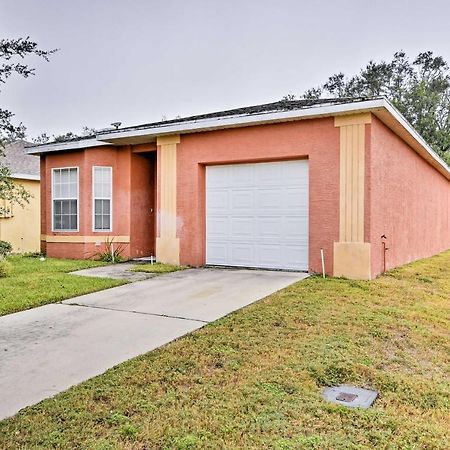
(135,61)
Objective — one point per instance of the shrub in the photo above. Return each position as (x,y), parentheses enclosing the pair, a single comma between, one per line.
(5,248)
(5,268)
(112,253)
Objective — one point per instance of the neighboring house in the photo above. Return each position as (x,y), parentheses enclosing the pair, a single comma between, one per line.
(21,225)
(265,186)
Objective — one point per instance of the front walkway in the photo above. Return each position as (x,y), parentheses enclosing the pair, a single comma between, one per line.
(48,349)
(121,271)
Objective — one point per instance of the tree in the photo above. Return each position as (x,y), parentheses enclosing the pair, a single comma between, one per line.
(419,89)
(44,138)
(12,55)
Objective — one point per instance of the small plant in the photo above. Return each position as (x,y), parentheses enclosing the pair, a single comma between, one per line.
(5,249)
(34,255)
(5,268)
(112,253)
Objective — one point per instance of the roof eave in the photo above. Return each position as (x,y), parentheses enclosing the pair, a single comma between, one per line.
(380,107)
(147,134)
(64,146)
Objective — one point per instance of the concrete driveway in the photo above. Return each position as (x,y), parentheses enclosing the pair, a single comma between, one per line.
(46,350)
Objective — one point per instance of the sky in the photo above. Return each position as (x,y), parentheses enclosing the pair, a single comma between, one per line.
(138,61)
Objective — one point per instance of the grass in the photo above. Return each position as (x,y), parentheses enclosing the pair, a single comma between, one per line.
(34,283)
(253,379)
(157,268)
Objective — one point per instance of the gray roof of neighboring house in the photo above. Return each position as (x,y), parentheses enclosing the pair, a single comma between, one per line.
(20,163)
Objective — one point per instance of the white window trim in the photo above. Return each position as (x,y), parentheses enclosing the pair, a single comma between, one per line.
(109,230)
(78,200)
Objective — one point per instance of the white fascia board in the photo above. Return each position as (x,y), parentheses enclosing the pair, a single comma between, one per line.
(244,120)
(25,176)
(61,146)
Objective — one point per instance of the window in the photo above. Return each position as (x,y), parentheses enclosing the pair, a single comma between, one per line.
(65,199)
(102,198)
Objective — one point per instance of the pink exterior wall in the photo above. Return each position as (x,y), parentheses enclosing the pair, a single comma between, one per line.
(409,201)
(129,213)
(316,139)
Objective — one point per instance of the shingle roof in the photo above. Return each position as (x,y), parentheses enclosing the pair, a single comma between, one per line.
(282,105)
(18,160)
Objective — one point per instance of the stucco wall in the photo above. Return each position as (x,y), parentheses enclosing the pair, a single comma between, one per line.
(126,209)
(22,228)
(317,140)
(409,202)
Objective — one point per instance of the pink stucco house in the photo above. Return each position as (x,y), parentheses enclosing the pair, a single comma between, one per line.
(265,186)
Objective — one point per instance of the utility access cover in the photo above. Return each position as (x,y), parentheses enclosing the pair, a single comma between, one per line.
(350,396)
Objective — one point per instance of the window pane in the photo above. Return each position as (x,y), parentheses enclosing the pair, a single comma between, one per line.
(106,223)
(98,207)
(64,176)
(98,191)
(73,176)
(106,190)
(73,222)
(57,222)
(65,223)
(56,207)
(98,222)
(56,177)
(65,206)
(64,191)
(106,206)
(73,190)
(73,207)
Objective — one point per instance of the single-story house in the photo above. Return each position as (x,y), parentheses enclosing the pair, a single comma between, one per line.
(20,225)
(265,186)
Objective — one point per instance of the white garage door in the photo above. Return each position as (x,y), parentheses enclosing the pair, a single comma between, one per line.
(257,215)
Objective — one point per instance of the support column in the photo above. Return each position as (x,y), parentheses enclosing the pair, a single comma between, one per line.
(167,242)
(351,253)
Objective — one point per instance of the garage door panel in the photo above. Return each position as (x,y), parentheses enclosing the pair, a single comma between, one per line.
(296,227)
(242,176)
(242,226)
(218,199)
(242,253)
(268,198)
(269,256)
(257,215)
(269,227)
(268,174)
(242,198)
(220,173)
(218,226)
(295,198)
(291,253)
(218,251)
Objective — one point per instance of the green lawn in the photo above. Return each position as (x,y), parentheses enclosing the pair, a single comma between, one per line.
(34,283)
(157,268)
(253,379)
